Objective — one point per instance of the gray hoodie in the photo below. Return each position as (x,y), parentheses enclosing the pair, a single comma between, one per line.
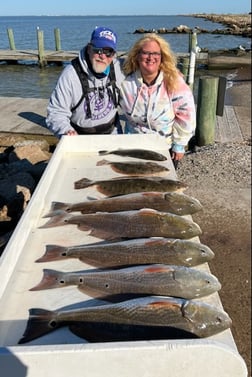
(67,94)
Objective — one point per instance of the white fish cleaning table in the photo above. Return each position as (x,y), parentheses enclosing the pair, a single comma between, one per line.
(61,352)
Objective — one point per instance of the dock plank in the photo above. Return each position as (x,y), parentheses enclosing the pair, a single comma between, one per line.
(227,127)
(27,116)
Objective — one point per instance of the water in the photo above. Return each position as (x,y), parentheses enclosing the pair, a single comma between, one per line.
(31,81)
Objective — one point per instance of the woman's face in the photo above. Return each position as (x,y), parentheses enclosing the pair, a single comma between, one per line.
(149,58)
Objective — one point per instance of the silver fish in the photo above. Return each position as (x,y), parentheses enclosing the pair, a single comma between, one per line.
(129,224)
(137,168)
(198,318)
(173,202)
(144,154)
(127,185)
(155,279)
(133,251)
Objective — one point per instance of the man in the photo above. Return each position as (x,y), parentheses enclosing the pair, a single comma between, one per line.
(85,98)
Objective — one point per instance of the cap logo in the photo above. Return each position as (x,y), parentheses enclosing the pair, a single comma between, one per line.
(108,35)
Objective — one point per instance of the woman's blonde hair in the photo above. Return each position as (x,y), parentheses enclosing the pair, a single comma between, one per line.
(168,63)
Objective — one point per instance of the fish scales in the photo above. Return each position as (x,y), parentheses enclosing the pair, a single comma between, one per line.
(155,279)
(133,251)
(173,202)
(135,167)
(131,184)
(129,224)
(144,154)
(198,318)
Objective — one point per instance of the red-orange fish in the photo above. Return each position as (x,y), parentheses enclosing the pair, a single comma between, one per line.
(149,317)
(129,224)
(154,279)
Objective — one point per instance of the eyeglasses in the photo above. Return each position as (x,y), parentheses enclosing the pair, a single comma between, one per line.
(148,53)
(108,52)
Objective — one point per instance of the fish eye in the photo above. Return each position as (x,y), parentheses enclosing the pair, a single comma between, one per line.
(62,281)
(63,254)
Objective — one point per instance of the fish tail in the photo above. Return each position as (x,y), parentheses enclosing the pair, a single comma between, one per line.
(57,208)
(58,219)
(40,322)
(102,153)
(52,253)
(102,162)
(51,279)
(59,205)
(83,183)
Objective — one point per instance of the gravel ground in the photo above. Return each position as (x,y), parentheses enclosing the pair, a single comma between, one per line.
(219,176)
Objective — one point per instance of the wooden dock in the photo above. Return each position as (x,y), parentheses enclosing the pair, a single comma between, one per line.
(14,56)
(59,57)
(26,116)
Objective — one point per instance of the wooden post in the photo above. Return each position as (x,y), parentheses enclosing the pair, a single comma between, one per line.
(221,95)
(11,39)
(41,50)
(194,50)
(57,39)
(185,67)
(206,110)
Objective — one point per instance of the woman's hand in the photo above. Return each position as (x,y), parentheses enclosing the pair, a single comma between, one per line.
(71,133)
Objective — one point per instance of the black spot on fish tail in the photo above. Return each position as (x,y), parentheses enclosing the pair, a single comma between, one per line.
(52,253)
(40,323)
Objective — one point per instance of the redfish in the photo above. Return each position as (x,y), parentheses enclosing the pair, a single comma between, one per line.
(135,167)
(165,313)
(144,154)
(173,202)
(155,279)
(133,251)
(129,224)
(127,185)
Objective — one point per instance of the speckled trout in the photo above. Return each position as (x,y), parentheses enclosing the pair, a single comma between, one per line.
(129,224)
(165,313)
(133,251)
(144,154)
(127,185)
(155,279)
(173,202)
(135,167)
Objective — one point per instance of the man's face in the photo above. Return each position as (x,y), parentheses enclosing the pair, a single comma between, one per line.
(100,57)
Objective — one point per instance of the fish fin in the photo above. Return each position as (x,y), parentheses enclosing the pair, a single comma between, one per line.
(102,162)
(91,198)
(60,218)
(99,233)
(148,211)
(83,227)
(101,153)
(52,253)
(40,323)
(51,279)
(83,183)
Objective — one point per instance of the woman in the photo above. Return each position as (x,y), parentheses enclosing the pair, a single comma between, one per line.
(154,95)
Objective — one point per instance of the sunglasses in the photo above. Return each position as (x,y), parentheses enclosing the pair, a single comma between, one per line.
(108,52)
